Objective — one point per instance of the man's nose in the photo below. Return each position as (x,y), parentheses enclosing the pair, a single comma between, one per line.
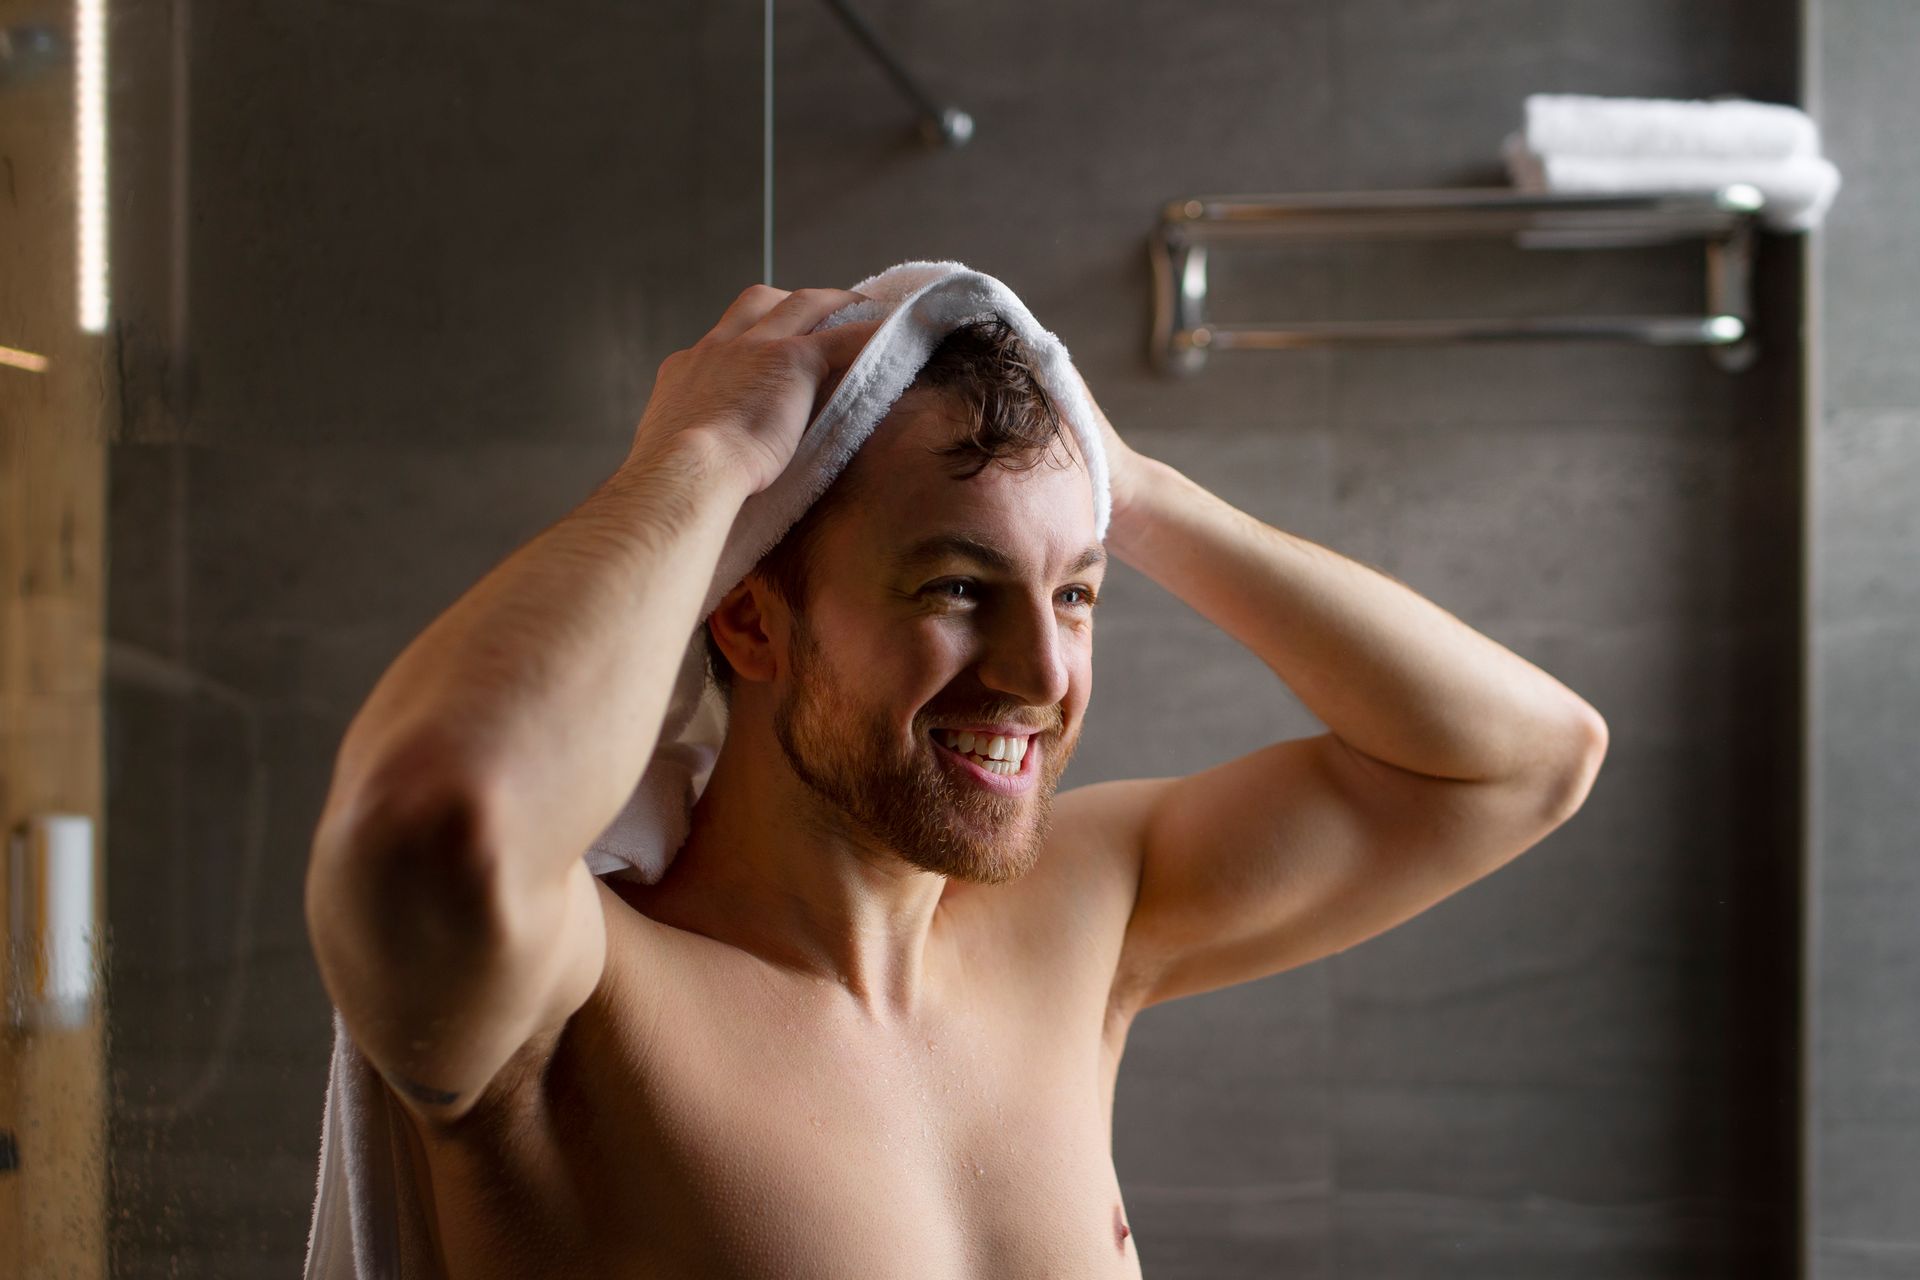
(1025,654)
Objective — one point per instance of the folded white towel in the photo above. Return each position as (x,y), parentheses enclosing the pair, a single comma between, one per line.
(368,1221)
(1579,124)
(1798,190)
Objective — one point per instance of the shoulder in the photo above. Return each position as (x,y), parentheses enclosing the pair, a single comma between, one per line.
(1096,842)
(1068,916)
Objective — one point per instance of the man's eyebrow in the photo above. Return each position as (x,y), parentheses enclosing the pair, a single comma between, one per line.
(967,547)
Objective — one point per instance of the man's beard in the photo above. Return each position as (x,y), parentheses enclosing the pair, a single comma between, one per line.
(915,807)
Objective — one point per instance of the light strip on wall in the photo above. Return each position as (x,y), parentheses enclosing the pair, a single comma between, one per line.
(18,359)
(90,142)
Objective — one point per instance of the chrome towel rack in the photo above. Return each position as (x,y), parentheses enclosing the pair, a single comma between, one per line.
(1726,219)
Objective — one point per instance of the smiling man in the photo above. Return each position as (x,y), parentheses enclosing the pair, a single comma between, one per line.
(931,700)
(870,1020)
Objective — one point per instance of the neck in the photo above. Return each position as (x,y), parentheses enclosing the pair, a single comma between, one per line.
(770,868)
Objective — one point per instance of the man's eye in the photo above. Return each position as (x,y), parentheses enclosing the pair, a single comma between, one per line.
(952,587)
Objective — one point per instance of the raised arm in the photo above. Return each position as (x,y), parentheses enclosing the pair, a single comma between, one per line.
(449,903)
(1447,755)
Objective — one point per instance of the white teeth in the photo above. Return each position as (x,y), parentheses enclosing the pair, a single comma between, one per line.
(997,750)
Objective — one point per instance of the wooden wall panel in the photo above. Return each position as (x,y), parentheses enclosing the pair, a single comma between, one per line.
(52,613)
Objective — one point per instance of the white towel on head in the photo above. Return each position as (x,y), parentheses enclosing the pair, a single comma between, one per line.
(369,1222)
(1582,124)
(922,302)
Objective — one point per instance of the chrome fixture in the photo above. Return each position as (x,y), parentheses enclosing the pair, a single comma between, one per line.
(1725,219)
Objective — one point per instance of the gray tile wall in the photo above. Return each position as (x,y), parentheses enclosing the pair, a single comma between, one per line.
(437,252)
(1864,1107)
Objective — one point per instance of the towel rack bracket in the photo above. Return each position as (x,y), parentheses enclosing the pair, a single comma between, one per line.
(1725,219)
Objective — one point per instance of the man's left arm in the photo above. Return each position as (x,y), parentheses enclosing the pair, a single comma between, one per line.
(1447,756)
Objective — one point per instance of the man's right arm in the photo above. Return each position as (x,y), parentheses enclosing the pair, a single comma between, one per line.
(448,899)
(452,913)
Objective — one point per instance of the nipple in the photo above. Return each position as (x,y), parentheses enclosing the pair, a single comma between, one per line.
(1120,1230)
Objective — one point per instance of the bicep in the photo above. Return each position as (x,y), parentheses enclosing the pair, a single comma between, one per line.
(1302,849)
(439,978)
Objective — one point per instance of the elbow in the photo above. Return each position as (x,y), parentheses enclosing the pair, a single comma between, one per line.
(1573,780)
(413,798)
(394,854)
(416,813)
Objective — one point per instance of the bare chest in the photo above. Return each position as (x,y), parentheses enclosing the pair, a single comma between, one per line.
(744,1128)
(957,1154)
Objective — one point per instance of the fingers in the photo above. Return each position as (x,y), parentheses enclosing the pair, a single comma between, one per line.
(780,313)
(802,309)
(837,347)
(754,301)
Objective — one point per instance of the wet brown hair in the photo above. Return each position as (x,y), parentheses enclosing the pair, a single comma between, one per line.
(988,374)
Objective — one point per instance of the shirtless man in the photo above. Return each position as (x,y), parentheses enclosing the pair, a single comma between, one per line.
(867,1026)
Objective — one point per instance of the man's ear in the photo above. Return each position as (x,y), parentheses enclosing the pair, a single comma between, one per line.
(740,625)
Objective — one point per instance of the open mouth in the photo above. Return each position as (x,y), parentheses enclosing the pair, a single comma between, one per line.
(1006,772)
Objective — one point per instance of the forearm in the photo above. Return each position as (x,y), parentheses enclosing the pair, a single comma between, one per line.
(541,691)
(1391,673)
